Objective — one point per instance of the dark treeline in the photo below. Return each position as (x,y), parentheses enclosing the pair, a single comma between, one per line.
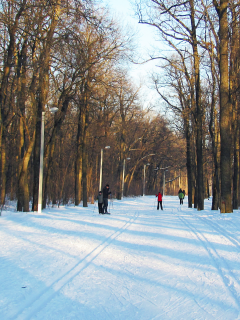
(72,56)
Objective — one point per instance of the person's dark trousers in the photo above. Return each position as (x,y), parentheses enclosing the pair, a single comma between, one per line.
(100,208)
(181,201)
(159,202)
(105,205)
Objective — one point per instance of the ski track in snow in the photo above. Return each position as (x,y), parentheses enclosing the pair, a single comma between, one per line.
(42,298)
(221,231)
(176,264)
(230,281)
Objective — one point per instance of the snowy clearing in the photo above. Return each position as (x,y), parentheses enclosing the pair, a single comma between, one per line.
(137,263)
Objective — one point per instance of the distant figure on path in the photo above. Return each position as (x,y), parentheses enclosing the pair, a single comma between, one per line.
(181,196)
(159,196)
(100,202)
(106,192)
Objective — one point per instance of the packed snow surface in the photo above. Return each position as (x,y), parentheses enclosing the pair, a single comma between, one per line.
(137,263)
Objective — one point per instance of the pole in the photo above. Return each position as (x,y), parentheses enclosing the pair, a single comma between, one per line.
(40,187)
(144,178)
(101,164)
(123,176)
(179,180)
(163,182)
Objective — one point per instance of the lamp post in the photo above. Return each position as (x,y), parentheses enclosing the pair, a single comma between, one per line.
(164,170)
(164,178)
(144,177)
(101,165)
(40,186)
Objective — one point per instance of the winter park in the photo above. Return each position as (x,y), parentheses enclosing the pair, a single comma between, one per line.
(120,160)
(136,263)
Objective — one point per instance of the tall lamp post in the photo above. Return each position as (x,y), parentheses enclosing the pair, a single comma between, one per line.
(40,185)
(101,165)
(144,177)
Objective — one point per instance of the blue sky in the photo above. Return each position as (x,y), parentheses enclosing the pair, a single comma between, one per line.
(124,11)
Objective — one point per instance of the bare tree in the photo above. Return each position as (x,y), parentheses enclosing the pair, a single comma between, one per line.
(177,24)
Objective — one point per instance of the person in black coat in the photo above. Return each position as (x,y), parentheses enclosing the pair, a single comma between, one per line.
(106,193)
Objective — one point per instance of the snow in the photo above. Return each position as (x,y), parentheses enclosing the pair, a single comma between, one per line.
(137,263)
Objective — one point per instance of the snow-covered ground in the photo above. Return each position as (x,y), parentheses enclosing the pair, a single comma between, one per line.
(137,263)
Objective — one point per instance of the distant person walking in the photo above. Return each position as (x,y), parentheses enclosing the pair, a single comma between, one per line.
(159,202)
(106,192)
(100,202)
(181,196)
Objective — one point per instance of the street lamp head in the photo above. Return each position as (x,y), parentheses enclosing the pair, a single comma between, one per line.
(107,147)
(53,110)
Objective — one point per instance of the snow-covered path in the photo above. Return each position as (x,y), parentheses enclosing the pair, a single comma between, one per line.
(137,263)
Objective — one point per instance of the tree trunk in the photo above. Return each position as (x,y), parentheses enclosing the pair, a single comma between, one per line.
(235,173)
(119,180)
(23,189)
(84,174)
(3,173)
(189,163)
(234,86)
(199,113)
(36,158)
(84,159)
(216,176)
(78,164)
(225,111)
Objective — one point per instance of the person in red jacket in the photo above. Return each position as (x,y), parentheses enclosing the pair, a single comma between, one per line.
(159,196)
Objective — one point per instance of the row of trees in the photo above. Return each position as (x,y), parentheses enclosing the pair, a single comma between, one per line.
(201,86)
(70,55)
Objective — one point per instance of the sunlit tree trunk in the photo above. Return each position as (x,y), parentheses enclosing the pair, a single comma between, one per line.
(234,75)
(199,113)
(78,163)
(225,111)
(189,162)
(23,188)
(84,160)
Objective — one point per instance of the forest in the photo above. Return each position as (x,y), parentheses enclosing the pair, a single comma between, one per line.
(64,71)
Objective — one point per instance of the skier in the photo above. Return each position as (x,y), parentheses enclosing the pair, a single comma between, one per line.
(106,192)
(159,196)
(181,196)
(100,202)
